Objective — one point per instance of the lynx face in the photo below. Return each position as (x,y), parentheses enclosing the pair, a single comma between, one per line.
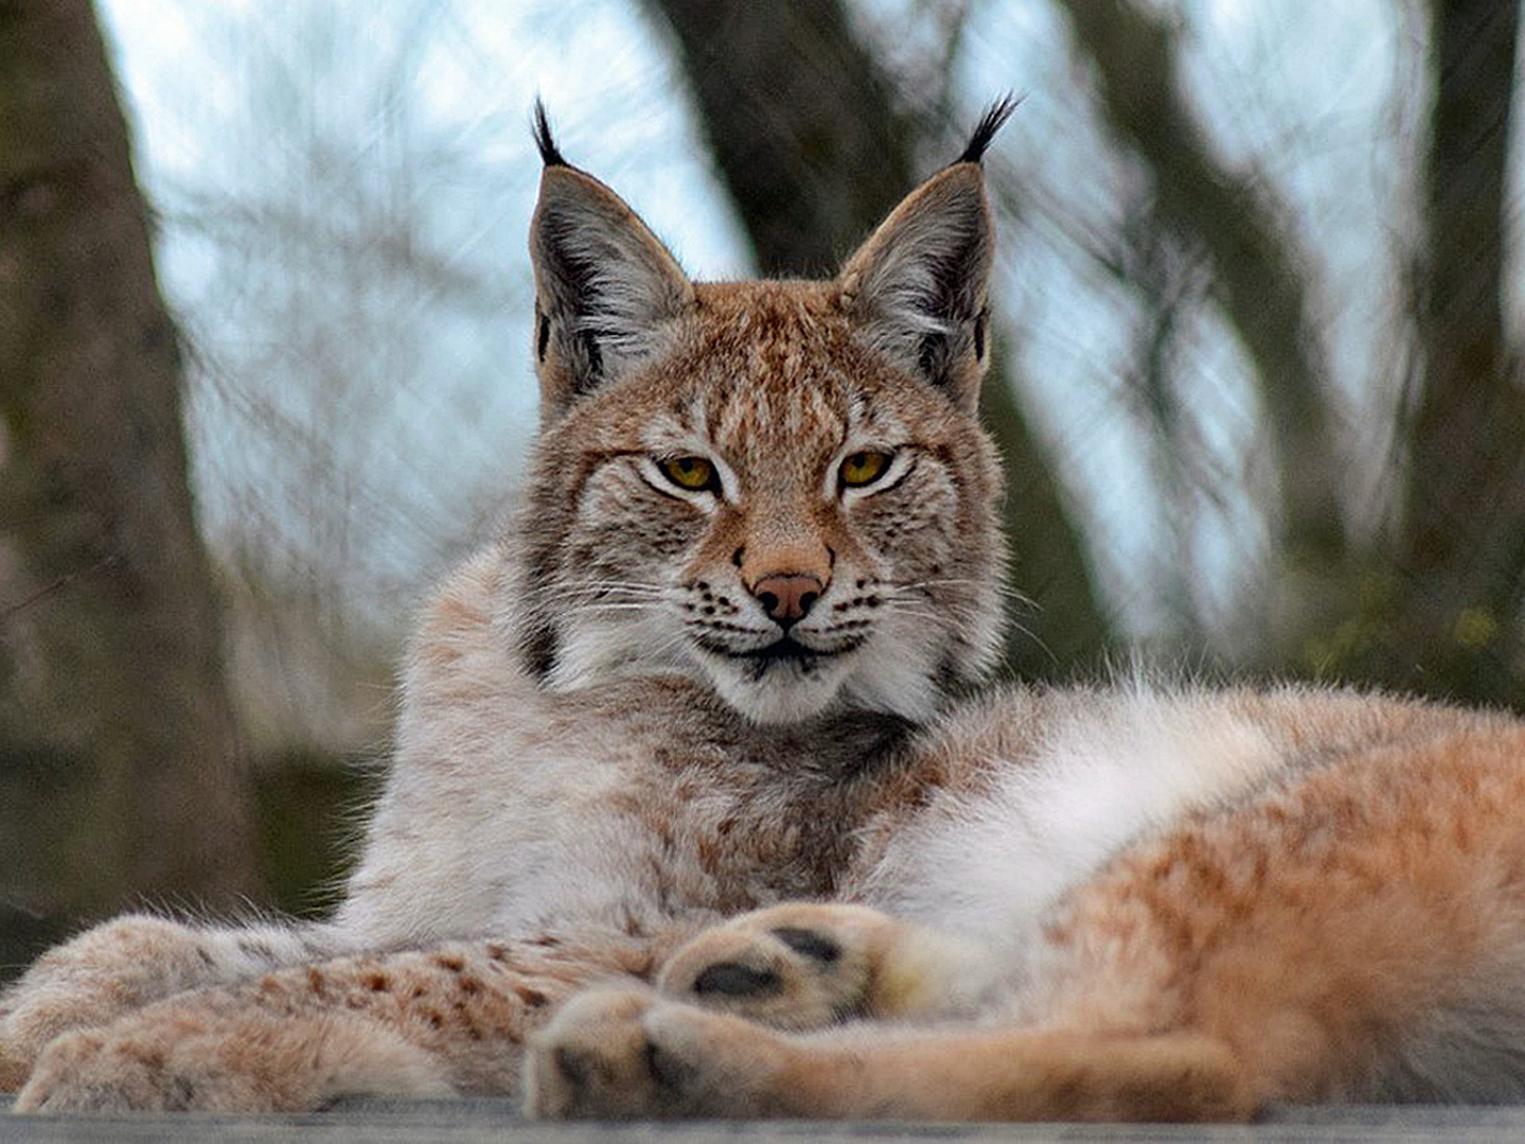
(778,488)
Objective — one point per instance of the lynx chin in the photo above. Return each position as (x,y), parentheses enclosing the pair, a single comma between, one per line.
(702,803)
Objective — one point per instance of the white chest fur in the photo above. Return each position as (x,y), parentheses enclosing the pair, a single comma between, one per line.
(990,864)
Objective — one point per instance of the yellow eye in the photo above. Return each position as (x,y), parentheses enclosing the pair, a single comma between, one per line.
(861,469)
(692,473)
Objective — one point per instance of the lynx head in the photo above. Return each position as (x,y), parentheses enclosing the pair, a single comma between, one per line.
(778,488)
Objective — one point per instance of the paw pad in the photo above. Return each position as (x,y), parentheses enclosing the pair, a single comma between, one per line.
(732,979)
(813,945)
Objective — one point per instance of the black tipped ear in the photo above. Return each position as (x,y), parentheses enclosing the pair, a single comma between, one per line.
(545,143)
(606,290)
(992,121)
(917,287)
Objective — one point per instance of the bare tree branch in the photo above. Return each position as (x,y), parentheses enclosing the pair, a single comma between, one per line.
(1257,278)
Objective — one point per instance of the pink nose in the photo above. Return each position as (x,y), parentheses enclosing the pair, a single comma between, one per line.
(787,597)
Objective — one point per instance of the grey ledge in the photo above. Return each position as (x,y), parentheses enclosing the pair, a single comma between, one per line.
(480,1120)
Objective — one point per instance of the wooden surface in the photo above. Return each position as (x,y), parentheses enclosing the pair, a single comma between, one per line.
(389,1122)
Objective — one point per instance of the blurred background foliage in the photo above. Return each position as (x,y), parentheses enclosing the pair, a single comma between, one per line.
(1258,305)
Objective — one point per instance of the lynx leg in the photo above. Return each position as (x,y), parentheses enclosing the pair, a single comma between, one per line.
(1026,1075)
(449,1019)
(623,1053)
(804,965)
(132,961)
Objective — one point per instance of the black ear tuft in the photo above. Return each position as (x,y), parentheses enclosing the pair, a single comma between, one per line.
(606,290)
(550,154)
(992,121)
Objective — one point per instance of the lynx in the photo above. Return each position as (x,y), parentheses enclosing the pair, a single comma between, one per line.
(698,808)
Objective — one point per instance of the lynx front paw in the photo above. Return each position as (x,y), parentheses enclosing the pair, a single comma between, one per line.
(805,965)
(213,1054)
(90,981)
(797,966)
(85,1072)
(625,1054)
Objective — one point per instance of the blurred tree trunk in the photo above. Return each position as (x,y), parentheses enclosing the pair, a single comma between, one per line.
(120,769)
(1463,549)
(1437,611)
(815,154)
(1259,286)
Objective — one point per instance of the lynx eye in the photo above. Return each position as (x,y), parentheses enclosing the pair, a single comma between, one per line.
(860,469)
(692,473)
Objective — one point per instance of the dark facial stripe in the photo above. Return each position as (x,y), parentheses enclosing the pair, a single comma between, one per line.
(539,646)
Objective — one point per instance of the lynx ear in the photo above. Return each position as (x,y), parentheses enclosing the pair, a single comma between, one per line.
(917,287)
(606,288)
